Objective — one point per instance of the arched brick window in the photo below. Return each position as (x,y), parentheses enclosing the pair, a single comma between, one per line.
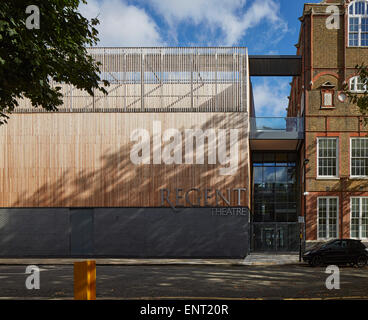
(358,24)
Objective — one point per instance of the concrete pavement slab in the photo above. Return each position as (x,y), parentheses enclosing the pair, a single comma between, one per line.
(252,259)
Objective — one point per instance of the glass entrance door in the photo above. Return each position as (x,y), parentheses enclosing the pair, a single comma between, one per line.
(268,238)
(264,237)
(275,237)
(282,237)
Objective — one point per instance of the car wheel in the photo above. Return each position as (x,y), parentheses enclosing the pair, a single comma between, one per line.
(361,261)
(317,261)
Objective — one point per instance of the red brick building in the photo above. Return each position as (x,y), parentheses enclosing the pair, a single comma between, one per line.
(333,40)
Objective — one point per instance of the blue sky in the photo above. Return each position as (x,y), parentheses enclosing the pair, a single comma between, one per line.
(264,26)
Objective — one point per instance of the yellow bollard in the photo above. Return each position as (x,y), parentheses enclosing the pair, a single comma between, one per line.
(85,280)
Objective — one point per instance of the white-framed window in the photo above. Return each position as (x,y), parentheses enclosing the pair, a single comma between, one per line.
(359,157)
(327,99)
(357,85)
(327,157)
(358,24)
(328,217)
(359,217)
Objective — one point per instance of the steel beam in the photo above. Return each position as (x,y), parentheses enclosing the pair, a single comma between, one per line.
(269,66)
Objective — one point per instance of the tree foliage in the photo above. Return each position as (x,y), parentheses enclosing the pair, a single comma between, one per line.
(360,99)
(30,59)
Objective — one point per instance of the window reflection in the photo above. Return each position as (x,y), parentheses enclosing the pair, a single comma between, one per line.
(274,187)
(269,174)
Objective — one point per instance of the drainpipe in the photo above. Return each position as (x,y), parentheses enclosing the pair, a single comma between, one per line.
(305,135)
(305,162)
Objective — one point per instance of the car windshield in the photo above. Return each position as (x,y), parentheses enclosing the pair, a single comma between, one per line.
(327,244)
(317,246)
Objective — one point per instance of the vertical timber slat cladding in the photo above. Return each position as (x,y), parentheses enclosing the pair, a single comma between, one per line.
(84,160)
(160,80)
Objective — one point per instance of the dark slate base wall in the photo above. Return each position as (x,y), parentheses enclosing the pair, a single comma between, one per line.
(124,232)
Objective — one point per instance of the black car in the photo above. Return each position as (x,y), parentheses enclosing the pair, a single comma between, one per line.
(342,251)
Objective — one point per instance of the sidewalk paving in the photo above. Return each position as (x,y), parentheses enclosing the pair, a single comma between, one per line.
(252,259)
(271,259)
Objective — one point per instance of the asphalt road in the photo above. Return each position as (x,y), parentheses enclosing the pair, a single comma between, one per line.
(188,281)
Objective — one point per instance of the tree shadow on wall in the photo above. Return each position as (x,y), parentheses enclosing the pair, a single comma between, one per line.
(115,182)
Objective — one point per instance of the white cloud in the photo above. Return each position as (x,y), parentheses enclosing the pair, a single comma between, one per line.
(218,22)
(229,16)
(122,25)
(270,96)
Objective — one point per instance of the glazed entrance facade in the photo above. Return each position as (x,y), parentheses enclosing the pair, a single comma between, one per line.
(275,201)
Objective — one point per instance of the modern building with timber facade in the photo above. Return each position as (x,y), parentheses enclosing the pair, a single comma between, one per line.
(334,156)
(157,168)
(174,161)
(160,167)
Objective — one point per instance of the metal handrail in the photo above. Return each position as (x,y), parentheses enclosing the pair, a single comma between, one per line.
(290,124)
